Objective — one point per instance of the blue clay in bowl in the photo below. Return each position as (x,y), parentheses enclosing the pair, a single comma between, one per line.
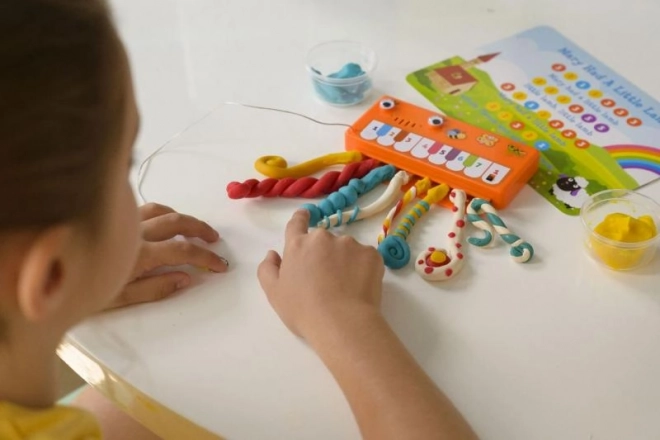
(350,65)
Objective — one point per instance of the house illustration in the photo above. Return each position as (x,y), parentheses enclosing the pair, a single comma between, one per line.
(455,80)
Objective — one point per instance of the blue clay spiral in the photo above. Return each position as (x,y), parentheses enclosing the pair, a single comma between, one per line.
(395,251)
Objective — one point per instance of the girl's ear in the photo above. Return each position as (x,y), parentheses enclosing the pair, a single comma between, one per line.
(41,275)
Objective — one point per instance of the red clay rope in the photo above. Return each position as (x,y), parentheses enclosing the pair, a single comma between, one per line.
(304,187)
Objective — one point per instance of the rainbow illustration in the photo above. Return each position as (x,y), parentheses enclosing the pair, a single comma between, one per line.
(636,156)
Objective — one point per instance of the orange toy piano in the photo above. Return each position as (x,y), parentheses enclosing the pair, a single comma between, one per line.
(446,150)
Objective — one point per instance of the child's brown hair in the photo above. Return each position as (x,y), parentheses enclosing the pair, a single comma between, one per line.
(62,95)
(62,99)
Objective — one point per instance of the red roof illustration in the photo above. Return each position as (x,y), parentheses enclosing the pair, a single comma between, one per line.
(486,58)
(455,75)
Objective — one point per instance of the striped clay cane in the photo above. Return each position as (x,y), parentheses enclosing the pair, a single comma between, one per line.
(521,251)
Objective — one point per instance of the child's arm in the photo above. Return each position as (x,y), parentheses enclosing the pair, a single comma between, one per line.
(327,290)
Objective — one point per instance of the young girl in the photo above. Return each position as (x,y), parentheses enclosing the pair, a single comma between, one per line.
(73,242)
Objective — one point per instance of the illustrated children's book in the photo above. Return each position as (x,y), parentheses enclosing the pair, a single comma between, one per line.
(594,129)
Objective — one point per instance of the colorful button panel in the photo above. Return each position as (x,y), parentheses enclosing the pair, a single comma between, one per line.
(435,152)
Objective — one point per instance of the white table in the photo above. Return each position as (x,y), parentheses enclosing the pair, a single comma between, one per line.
(559,348)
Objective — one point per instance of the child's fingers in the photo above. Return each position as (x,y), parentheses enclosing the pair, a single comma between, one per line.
(179,253)
(151,289)
(269,270)
(172,224)
(298,225)
(151,210)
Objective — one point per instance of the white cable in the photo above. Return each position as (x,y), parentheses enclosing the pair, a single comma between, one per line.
(144,165)
(339,124)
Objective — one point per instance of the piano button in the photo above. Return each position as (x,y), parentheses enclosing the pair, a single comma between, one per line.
(408,143)
(421,150)
(387,140)
(440,157)
(457,164)
(383,130)
(370,132)
(453,153)
(495,174)
(478,168)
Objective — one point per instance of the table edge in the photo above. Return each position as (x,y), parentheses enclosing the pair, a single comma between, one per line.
(155,416)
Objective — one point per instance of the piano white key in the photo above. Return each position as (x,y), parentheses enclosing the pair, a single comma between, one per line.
(457,163)
(495,174)
(408,143)
(387,140)
(478,168)
(370,132)
(440,157)
(421,150)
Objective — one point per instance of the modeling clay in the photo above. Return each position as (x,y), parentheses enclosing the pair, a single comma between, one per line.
(277,167)
(394,249)
(303,187)
(343,93)
(521,251)
(442,264)
(357,213)
(419,188)
(349,194)
(625,229)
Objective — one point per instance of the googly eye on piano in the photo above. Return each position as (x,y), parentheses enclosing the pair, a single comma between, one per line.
(425,161)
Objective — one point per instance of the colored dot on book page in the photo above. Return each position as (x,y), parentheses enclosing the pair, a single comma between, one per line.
(576,108)
(544,114)
(634,122)
(517,125)
(532,105)
(556,123)
(601,128)
(539,81)
(608,103)
(595,94)
(551,90)
(529,135)
(571,76)
(582,85)
(558,67)
(505,116)
(563,99)
(520,96)
(588,118)
(581,143)
(621,112)
(542,145)
(507,87)
(569,134)
(493,106)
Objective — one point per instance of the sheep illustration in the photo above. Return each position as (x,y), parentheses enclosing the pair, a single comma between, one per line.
(571,191)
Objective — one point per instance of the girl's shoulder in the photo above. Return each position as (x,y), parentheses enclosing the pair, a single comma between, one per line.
(58,422)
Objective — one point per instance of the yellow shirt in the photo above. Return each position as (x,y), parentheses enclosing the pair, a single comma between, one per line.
(56,423)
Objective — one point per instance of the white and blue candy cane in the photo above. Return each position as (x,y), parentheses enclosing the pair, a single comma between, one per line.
(521,251)
(348,195)
(473,210)
(357,213)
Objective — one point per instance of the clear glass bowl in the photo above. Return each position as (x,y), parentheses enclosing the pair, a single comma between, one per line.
(619,255)
(329,58)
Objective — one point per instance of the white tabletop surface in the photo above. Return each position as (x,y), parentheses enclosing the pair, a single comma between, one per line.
(556,349)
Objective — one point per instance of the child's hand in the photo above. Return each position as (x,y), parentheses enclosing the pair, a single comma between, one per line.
(321,277)
(159,225)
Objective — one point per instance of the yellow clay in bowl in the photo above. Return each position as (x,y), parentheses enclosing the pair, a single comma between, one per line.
(623,228)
